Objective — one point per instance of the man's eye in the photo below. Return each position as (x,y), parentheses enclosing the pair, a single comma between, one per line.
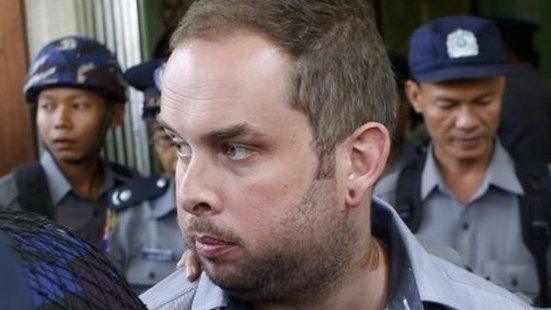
(183,149)
(47,106)
(446,104)
(237,152)
(484,102)
(79,105)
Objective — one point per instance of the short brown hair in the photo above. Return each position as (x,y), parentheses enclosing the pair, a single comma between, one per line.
(341,75)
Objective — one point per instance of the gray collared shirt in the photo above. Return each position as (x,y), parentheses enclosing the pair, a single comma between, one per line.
(486,231)
(84,216)
(417,279)
(147,243)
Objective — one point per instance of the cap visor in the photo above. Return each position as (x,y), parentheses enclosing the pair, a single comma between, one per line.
(461,73)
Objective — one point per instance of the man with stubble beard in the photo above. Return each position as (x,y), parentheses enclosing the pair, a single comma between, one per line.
(281,112)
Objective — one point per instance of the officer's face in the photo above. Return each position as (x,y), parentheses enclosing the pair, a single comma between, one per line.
(462,117)
(164,147)
(69,122)
(246,195)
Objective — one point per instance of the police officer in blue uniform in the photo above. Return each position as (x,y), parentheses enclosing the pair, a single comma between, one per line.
(464,189)
(146,241)
(76,91)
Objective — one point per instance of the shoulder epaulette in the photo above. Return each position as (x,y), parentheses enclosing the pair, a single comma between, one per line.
(137,191)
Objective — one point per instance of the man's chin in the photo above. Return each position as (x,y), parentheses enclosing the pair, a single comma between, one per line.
(227,277)
(70,157)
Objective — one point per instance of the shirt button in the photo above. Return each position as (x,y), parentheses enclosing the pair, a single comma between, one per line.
(466,226)
(469,269)
(152,275)
(514,282)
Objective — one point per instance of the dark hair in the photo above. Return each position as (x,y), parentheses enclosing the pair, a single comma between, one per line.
(341,74)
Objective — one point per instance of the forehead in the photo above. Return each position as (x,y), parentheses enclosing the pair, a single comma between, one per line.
(227,81)
(68,93)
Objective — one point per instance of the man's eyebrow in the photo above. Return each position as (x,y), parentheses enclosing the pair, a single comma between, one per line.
(232,132)
(219,135)
(445,98)
(164,125)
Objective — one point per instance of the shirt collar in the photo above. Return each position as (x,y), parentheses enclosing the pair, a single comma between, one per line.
(166,203)
(431,176)
(58,184)
(432,282)
(209,296)
(500,173)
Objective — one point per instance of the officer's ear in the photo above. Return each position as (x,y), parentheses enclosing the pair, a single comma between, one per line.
(367,153)
(502,80)
(118,115)
(413,93)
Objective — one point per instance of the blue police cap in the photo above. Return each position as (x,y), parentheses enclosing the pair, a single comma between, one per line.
(76,62)
(142,76)
(459,47)
(146,77)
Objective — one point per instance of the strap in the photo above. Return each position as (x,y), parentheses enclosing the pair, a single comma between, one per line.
(32,187)
(122,173)
(535,214)
(408,191)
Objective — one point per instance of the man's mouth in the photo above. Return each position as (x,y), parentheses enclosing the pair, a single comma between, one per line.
(212,247)
(63,143)
(468,142)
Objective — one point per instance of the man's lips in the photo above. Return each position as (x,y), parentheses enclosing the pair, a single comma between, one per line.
(62,143)
(468,141)
(211,247)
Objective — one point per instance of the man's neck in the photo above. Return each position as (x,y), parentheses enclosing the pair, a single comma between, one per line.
(365,286)
(463,177)
(85,177)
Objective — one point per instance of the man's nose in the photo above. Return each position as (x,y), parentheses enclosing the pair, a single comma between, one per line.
(466,118)
(62,118)
(196,190)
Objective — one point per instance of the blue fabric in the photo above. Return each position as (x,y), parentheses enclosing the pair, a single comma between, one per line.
(142,76)
(14,294)
(477,41)
(77,62)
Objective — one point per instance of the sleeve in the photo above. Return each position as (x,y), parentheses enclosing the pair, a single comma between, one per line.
(8,193)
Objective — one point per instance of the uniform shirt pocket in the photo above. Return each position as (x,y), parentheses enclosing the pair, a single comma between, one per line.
(516,278)
(150,266)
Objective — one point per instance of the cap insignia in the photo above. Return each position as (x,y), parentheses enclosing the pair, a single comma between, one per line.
(462,43)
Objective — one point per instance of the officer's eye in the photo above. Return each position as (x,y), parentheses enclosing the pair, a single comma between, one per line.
(484,102)
(80,104)
(446,104)
(46,106)
(237,151)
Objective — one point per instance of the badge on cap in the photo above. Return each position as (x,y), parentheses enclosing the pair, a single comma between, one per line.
(462,43)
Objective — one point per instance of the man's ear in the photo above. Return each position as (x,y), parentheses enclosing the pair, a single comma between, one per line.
(368,149)
(413,93)
(118,115)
